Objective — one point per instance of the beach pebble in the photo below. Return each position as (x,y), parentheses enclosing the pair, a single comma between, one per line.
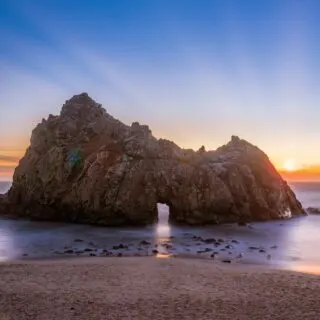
(144,243)
(209,240)
(262,250)
(226,261)
(120,246)
(155,251)
(69,251)
(234,241)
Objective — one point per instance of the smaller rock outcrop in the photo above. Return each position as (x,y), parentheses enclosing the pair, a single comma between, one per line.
(313,210)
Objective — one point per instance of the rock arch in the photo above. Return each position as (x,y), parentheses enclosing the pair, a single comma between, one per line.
(124,172)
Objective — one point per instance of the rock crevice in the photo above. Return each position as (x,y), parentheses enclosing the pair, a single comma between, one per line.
(85,166)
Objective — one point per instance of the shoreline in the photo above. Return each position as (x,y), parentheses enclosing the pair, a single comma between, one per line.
(312,269)
(144,288)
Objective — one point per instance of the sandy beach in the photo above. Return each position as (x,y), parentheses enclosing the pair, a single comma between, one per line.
(150,288)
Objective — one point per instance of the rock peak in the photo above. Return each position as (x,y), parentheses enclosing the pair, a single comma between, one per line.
(82,99)
(80,104)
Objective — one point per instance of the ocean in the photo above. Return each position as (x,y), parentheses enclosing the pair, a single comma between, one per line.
(291,244)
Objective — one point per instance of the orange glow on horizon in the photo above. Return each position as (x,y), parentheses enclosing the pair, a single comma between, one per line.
(289,169)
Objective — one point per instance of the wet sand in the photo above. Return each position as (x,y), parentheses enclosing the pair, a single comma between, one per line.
(144,288)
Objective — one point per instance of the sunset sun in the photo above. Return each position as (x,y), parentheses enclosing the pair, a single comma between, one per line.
(290,165)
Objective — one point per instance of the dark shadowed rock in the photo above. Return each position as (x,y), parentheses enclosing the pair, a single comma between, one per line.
(85,166)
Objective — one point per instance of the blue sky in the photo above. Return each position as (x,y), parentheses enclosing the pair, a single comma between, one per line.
(195,71)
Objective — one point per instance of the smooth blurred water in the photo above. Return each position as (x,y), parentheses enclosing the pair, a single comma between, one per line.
(297,240)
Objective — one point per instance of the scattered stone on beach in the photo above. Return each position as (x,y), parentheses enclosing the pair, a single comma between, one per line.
(155,251)
(69,251)
(207,249)
(226,261)
(254,248)
(120,246)
(78,240)
(92,254)
(88,250)
(240,255)
(213,255)
(234,241)
(262,250)
(209,240)
(274,247)
(220,240)
(92,244)
(228,246)
(145,243)
(223,249)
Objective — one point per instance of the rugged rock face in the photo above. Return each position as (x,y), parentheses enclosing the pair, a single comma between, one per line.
(85,166)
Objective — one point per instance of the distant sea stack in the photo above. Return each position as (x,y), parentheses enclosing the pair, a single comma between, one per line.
(85,166)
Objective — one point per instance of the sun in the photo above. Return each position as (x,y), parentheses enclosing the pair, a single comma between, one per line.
(289,165)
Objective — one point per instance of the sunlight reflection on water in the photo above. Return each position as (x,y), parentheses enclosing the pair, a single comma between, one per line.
(6,244)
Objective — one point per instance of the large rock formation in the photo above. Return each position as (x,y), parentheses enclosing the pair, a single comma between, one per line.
(85,166)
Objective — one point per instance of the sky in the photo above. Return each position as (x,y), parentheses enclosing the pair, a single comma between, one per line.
(196,72)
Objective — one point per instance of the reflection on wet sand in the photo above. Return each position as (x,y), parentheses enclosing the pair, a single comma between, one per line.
(305,268)
(163,232)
